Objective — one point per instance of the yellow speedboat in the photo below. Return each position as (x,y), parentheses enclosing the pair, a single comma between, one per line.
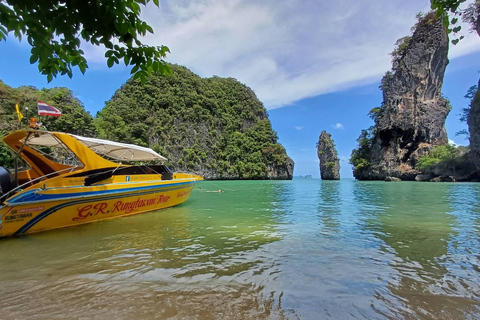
(69,180)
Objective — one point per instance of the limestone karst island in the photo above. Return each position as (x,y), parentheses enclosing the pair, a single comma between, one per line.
(239,160)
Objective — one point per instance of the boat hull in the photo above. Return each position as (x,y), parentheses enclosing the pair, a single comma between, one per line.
(69,209)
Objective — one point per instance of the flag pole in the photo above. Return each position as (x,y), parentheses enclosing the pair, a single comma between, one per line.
(26,114)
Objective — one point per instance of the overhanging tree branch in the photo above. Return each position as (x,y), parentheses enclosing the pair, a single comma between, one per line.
(54,29)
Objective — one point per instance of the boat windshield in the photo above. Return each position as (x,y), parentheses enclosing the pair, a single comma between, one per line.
(53,149)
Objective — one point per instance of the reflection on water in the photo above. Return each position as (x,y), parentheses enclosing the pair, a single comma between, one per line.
(303,249)
(416,225)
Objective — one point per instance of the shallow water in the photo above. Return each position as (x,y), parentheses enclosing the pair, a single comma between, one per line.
(302,249)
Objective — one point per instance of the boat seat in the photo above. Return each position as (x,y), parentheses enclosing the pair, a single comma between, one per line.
(44,167)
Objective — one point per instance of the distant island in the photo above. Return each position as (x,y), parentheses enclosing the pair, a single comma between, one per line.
(308,176)
(214,127)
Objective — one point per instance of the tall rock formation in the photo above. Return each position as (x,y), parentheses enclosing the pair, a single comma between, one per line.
(474,115)
(412,117)
(329,162)
(215,127)
(474,129)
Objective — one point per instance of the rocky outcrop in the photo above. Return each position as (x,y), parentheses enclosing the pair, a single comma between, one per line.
(328,156)
(412,117)
(474,128)
(443,179)
(392,179)
(215,127)
(474,114)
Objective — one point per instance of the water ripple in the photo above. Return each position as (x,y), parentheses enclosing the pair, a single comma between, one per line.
(302,249)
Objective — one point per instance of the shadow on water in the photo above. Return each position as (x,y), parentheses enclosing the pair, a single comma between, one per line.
(196,260)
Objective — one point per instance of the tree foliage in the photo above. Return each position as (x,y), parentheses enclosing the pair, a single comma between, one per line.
(401,46)
(464,115)
(215,126)
(444,153)
(54,30)
(375,113)
(360,157)
(74,118)
(471,15)
(445,7)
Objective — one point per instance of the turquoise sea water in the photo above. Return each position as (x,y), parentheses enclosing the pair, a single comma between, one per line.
(302,249)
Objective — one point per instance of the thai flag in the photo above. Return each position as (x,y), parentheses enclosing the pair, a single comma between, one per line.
(47,110)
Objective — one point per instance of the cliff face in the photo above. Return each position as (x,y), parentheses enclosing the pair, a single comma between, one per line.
(412,117)
(474,128)
(214,127)
(474,115)
(329,162)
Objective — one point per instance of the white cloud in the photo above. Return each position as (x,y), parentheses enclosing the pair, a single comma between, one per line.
(287,50)
(453,143)
(338,126)
(299,127)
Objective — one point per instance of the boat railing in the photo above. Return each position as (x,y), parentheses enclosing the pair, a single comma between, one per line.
(7,195)
(188,175)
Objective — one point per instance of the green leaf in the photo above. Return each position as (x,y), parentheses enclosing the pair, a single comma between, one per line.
(156,66)
(445,21)
(110,62)
(83,67)
(33,58)
(136,75)
(135,69)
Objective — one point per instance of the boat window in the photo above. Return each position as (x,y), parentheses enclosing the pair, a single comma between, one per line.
(58,154)
(53,149)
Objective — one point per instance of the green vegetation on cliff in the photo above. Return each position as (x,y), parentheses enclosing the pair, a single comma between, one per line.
(445,153)
(465,114)
(215,126)
(360,156)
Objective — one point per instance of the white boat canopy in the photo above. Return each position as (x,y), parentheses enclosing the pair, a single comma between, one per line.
(119,151)
(113,150)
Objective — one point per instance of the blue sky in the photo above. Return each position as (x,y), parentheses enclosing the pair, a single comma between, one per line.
(315,65)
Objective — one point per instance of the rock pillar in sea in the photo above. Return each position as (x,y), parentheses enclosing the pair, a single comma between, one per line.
(411,119)
(328,156)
